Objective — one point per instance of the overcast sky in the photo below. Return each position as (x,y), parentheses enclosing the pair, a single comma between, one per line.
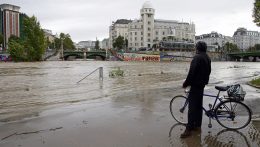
(88,19)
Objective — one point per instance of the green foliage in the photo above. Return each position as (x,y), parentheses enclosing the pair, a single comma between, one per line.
(57,43)
(1,39)
(230,48)
(116,73)
(32,46)
(119,42)
(97,45)
(16,49)
(256,12)
(67,42)
(255,48)
(256,81)
(48,43)
(34,39)
(126,43)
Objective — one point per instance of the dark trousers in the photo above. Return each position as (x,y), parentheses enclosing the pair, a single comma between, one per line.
(195,107)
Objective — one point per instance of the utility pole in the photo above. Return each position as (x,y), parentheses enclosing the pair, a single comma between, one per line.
(62,57)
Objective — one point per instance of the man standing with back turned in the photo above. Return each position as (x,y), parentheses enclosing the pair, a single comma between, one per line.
(197,78)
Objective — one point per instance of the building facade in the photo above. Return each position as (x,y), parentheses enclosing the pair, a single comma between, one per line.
(147,31)
(104,44)
(214,38)
(86,44)
(9,22)
(48,35)
(245,39)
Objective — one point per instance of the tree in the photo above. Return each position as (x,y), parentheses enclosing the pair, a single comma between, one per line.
(257,47)
(34,43)
(256,12)
(32,46)
(97,45)
(251,49)
(230,48)
(16,49)
(126,43)
(119,42)
(1,39)
(67,42)
(57,43)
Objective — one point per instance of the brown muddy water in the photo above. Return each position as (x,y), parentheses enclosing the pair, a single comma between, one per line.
(29,91)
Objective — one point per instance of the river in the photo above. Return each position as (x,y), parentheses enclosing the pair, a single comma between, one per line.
(28,88)
(138,101)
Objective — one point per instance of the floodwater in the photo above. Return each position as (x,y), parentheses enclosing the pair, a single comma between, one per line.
(27,90)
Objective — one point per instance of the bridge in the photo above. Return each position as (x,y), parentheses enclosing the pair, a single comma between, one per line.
(97,55)
(245,56)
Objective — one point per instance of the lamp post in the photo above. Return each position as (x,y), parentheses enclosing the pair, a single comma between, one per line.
(62,57)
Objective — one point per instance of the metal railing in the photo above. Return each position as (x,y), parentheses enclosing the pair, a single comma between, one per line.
(100,74)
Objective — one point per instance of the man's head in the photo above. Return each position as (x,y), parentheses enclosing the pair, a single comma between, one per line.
(201,46)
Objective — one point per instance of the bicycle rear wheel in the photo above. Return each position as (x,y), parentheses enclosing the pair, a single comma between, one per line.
(179,109)
(233,114)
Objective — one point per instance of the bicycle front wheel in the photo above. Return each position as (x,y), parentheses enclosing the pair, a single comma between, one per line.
(179,109)
(233,114)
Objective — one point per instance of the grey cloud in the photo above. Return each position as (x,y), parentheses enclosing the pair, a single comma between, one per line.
(88,19)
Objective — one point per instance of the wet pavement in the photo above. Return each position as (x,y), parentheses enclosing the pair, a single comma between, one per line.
(42,105)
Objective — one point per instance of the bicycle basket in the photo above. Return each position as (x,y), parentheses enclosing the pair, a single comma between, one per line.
(236,92)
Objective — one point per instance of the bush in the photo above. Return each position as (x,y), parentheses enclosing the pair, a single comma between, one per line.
(256,81)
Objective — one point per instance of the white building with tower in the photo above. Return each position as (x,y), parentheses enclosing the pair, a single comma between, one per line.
(147,30)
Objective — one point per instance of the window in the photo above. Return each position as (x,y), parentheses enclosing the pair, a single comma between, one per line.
(156,33)
(149,22)
(135,38)
(142,33)
(135,33)
(148,40)
(149,29)
(163,33)
(148,34)
(142,38)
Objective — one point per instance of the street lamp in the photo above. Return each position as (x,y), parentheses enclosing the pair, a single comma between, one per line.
(62,57)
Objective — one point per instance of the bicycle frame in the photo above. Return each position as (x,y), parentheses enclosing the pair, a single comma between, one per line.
(217,98)
(224,109)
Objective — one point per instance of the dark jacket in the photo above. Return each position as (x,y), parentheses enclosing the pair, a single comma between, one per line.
(199,72)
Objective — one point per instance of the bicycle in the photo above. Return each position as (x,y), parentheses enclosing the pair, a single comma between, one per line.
(230,112)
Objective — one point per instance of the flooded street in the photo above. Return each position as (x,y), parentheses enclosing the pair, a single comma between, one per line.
(41,104)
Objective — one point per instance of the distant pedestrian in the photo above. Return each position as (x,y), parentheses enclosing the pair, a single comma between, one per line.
(197,78)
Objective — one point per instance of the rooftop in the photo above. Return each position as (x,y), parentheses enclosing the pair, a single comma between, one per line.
(10,7)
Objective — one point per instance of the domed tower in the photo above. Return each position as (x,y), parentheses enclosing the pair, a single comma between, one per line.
(147,17)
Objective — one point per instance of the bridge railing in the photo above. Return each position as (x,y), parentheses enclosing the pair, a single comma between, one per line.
(101,75)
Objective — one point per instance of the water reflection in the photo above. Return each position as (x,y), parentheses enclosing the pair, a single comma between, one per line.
(226,138)
(249,137)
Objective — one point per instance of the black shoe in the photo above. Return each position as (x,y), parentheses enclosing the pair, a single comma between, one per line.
(186,133)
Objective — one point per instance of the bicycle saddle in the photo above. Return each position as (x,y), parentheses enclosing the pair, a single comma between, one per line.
(222,88)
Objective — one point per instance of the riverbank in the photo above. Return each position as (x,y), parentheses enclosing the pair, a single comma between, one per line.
(255,82)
